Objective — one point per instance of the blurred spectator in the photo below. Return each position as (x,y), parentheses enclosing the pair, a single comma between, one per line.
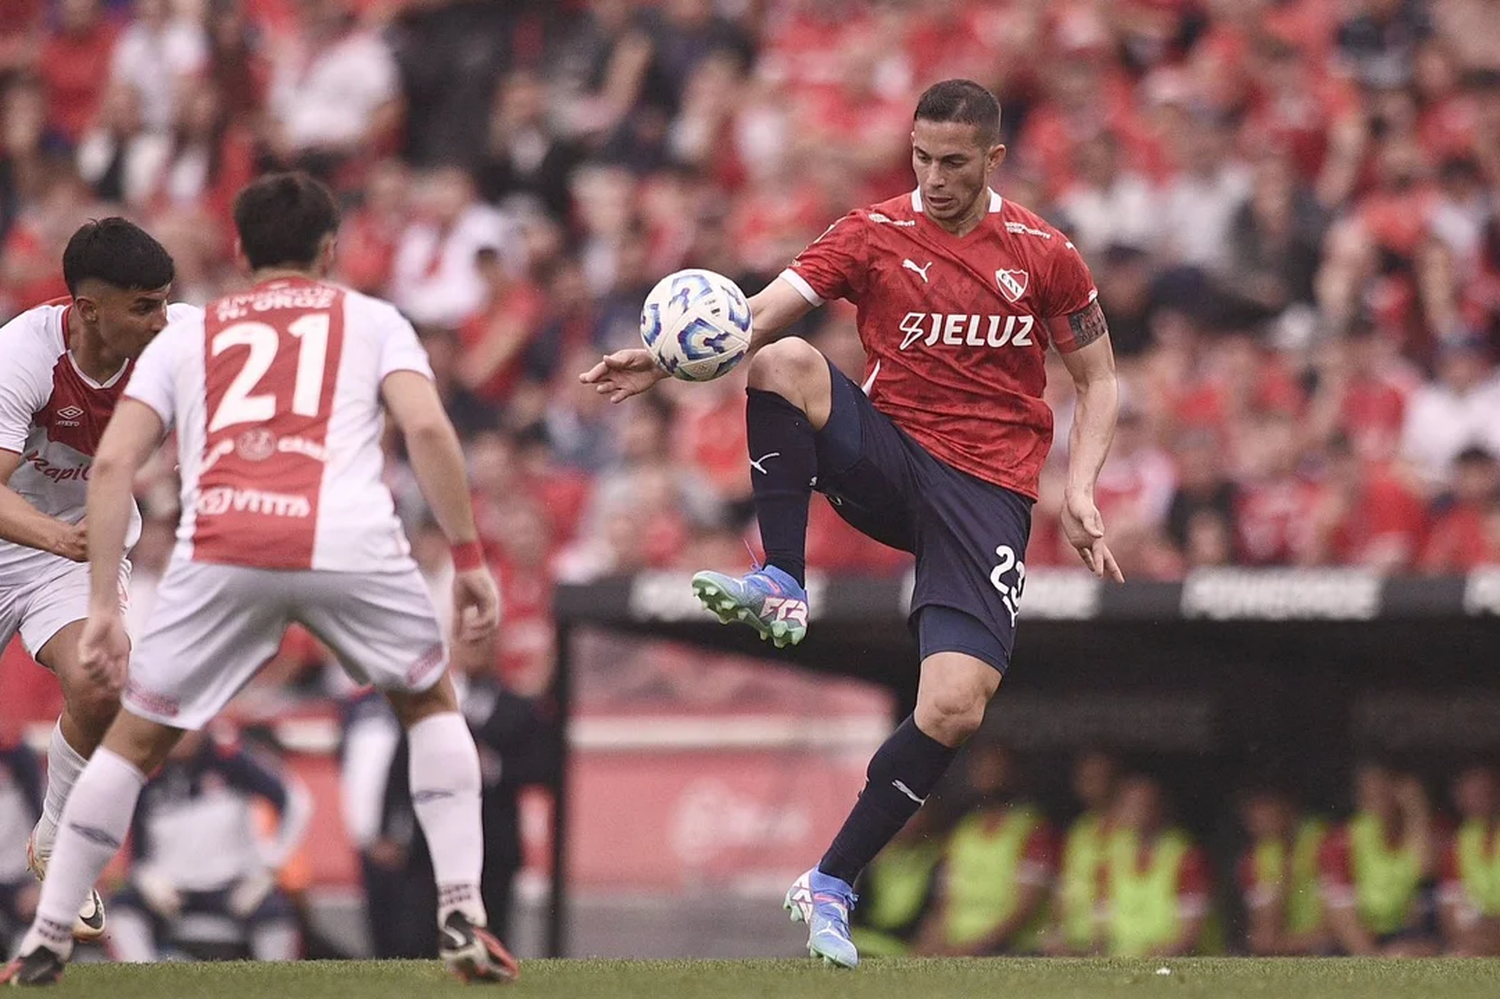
(368,236)
(525,160)
(1462,537)
(237,64)
(451,53)
(1271,524)
(895,890)
(117,157)
(1460,409)
(514,747)
(496,339)
(997,867)
(1376,870)
(1108,205)
(1278,876)
(72,67)
(199,875)
(436,275)
(20,808)
(1470,890)
(1204,505)
(209,158)
(1276,237)
(335,89)
(1157,885)
(1364,515)
(159,55)
(1077,902)
(1378,41)
(1200,203)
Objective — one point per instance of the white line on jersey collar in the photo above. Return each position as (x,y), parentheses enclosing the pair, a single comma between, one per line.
(996,202)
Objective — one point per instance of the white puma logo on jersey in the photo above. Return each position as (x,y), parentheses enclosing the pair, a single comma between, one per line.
(755,463)
(907,264)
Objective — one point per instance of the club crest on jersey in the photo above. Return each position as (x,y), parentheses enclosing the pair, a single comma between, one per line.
(1012,283)
(256,444)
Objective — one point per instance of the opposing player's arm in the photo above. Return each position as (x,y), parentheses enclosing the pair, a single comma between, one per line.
(131,438)
(23,524)
(1083,341)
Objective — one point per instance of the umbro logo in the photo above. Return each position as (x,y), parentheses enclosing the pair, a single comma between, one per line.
(68,416)
(95,835)
(909,265)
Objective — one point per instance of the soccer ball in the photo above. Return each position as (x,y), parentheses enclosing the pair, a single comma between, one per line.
(696,324)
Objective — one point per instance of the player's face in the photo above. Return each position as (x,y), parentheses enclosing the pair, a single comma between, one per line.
(953,167)
(127,318)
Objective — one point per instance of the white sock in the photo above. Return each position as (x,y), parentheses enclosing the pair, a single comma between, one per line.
(131,940)
(445,795)
(276,940)
(63,767)
(94,825)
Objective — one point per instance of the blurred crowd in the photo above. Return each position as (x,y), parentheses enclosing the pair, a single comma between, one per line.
(982,870)
(1288,206)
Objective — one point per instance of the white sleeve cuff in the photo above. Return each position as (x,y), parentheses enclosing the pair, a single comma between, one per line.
(804,289)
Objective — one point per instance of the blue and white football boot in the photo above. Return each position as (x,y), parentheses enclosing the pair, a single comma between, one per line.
(768,600)
(823,902)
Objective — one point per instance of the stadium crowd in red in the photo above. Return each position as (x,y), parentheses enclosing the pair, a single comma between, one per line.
(1287,204)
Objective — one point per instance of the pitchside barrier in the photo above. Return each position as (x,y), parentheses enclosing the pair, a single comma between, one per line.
(1227,677)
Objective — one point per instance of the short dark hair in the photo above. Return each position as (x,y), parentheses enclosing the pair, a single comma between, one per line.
(117,252)
(965,102)
(282,218)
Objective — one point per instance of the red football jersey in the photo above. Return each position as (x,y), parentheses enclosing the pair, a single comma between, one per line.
(955,329)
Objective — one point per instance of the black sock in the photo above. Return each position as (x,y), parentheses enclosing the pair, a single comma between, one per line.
(903,770)
(783,461)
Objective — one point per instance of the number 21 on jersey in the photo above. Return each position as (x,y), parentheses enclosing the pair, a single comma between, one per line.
(242,403)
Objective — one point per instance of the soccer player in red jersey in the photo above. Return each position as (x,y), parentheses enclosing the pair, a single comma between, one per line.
(960,292)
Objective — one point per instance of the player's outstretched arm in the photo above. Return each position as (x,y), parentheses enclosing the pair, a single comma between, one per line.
(624,373)
(630,372)
(438,463)
(1092,365)
(773,309)
(23,524)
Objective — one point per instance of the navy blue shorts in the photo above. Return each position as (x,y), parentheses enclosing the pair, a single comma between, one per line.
(969,536)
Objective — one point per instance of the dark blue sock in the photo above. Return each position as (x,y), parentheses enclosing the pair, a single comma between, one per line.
(783,461)
(902,773)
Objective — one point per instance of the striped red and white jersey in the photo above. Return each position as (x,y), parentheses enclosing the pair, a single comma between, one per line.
(52,415)
(275,397)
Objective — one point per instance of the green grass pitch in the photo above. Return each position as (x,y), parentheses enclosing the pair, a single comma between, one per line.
(1209,978)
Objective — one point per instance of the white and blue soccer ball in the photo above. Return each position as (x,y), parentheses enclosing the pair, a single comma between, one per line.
(696,324)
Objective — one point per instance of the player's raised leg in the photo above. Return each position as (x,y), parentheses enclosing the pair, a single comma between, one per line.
(789,400)
(951,698)
(89,705)
(445,788)
(94,825)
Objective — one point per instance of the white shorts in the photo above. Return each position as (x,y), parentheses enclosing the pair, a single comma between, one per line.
(40,597)
(214,626)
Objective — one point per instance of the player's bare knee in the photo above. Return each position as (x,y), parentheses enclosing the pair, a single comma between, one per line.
(798,372)
(413,706)
(92,706)
(786,367)
(950,714)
